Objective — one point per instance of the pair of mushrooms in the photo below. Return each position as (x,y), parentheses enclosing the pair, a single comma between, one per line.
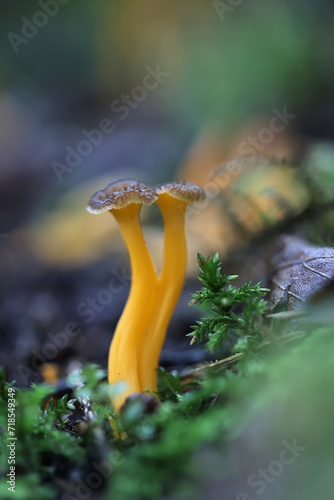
(140,333)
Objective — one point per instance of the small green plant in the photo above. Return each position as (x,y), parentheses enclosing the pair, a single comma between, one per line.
(221,298)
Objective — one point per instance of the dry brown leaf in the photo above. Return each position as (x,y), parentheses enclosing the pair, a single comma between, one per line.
(300,270)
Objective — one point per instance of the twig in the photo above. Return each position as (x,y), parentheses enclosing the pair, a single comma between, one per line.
(200,370)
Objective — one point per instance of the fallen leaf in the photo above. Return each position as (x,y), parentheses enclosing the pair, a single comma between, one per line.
(299,270)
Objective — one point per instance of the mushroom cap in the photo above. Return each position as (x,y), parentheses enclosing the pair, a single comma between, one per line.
(121,194)
(183,191)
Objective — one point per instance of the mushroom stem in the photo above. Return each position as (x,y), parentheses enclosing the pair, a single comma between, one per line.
(140,332)
(170,284)
(123,363)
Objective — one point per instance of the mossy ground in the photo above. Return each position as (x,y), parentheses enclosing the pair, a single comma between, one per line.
(218,435)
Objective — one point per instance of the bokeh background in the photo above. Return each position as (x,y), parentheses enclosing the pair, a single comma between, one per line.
(221,71)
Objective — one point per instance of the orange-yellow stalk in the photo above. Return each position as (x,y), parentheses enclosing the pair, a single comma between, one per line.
(140,333)
(170,284)
(123,362)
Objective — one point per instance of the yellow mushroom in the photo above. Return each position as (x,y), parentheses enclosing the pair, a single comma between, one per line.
(140,333)
(124,200)
(173,200)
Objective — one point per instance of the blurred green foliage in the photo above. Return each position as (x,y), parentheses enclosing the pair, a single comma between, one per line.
(261,55)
